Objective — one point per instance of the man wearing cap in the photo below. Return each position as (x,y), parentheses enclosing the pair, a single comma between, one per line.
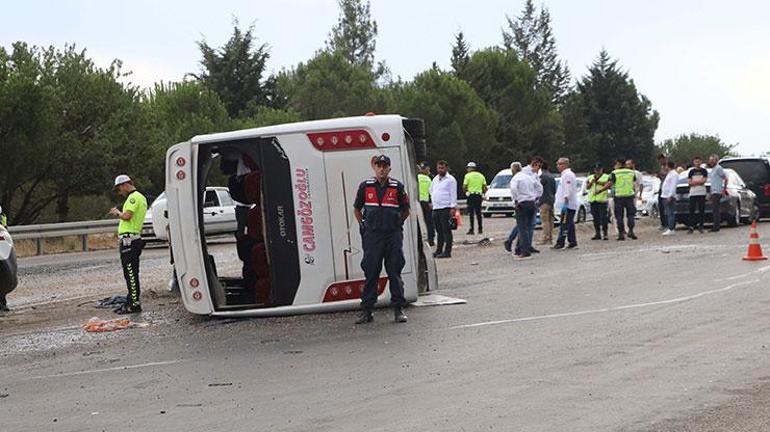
(474,186)
(129,240)
(381,207)
(424,181)
(598,194)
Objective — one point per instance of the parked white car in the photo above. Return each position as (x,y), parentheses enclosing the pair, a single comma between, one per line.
(218,214)
(8,268)
(497,200)
(648,204)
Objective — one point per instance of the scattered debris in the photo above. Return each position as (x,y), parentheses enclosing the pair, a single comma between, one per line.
(220,384)
(111,302)
(437,300)
(98,325)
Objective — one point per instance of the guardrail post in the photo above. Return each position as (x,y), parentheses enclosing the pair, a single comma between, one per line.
(39,243)
(84,238)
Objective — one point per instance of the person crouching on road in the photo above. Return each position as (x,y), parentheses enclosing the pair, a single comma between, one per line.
(381,207)
(598,194)
(474,186)
(443,193)
(424,181)
(567,200)
(525,191)
(129,240)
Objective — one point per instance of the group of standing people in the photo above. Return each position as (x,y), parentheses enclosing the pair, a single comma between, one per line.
(697,178)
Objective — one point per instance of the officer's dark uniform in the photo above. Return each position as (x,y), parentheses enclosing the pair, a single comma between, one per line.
(382,238)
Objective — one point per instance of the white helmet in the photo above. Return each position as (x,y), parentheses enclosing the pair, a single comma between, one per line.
(119,180)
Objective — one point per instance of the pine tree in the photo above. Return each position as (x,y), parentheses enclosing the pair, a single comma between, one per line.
(460,54)
(607,118)
(355,34)
(234,71)
(531,38)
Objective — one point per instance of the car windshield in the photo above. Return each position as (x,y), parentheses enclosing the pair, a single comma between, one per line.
(160,197)
(501,181)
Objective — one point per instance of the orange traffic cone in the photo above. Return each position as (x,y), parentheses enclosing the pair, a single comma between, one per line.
(755,249)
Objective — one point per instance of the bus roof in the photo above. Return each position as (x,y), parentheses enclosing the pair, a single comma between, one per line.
(376,121)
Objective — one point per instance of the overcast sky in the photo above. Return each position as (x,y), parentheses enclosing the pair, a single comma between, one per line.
(705,65)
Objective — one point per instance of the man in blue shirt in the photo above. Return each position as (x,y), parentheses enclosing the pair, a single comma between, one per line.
(718,181)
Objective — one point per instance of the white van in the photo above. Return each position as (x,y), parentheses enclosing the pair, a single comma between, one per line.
(497,200)
(302,179)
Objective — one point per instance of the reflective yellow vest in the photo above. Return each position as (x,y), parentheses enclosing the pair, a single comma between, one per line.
(624,182)
(424,182)
(598,184)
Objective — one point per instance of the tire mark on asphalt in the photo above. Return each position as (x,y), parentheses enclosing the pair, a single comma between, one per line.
(619,308)
(112,369)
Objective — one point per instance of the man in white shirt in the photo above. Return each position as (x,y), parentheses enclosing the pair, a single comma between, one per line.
(668,197)
(525,191)
(443,192)
(567,201)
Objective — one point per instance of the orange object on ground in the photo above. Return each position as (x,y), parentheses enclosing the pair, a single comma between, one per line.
(755,249)
(96,325)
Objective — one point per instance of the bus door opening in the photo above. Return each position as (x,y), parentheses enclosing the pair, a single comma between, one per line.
(262,268)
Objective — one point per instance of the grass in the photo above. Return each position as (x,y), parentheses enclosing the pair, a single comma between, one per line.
(57,245)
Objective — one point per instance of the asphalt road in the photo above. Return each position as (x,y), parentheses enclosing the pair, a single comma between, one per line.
(659,334)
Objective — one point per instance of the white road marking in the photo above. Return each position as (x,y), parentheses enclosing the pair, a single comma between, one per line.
(112,369)
(620,308)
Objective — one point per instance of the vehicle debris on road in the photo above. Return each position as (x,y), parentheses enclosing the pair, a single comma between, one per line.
(98,325)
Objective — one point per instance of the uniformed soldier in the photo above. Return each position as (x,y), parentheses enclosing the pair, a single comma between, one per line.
(381,207)
(624,197)
(130,240)
(598,194)
(424,180)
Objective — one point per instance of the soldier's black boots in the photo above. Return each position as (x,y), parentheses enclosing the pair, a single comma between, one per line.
(398,315)
(365,316)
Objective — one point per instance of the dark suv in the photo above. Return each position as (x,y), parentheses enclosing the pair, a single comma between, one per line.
(755,172)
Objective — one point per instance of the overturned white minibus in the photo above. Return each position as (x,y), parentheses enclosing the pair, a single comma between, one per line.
(298,247)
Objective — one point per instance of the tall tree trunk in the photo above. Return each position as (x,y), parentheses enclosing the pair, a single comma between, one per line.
(62,206)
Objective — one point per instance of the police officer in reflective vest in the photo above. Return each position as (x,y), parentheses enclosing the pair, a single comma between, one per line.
(381,207)
(130,240)
(623,180)
(598,194)
(424,181)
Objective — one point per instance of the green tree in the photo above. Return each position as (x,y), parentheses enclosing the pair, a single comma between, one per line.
(235,71)
(527,125)
(459,126)
(28,127)
(683,148)
(607,118)
(99,125)
(355,34)
(460,54)
(329,85)
(531,37)
(177,112)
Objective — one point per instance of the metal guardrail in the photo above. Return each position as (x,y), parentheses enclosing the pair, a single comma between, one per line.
(44,231)
(83,229)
